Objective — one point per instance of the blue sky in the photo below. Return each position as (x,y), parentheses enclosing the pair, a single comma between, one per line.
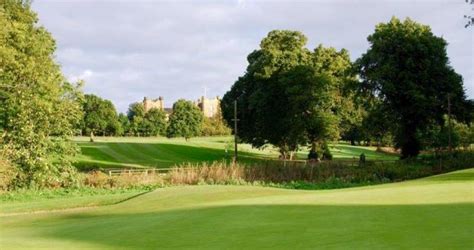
(125,50)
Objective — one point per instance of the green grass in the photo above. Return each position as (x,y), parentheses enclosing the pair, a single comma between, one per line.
(39,200)
(110,152)
(430,213)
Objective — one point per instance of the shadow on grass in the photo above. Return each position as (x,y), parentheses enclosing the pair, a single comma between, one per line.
(448,226)
(347,151)
(158,155)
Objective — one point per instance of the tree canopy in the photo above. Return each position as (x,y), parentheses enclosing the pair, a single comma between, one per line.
(185,121)
(39,109)
(290,96)
(155,122)
(100,116)
(407,69)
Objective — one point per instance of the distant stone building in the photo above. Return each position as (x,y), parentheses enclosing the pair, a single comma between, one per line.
(155,103)
(209,107)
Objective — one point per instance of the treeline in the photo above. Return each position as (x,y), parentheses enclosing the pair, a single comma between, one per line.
(186,120)
(401,92)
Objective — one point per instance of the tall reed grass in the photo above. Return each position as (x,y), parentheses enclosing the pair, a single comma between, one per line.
(336,172)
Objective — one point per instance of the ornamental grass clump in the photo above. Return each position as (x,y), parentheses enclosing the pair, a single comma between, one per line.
(208,173)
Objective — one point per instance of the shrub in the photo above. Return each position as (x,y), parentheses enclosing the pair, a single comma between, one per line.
(7,174)
(326,174)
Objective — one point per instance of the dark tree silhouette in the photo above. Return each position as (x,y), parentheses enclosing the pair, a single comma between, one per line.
(470,19)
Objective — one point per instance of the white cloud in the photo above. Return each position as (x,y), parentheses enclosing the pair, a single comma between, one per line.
(125,50)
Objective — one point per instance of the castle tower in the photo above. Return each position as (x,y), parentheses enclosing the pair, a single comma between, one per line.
(155,103)
(209,107)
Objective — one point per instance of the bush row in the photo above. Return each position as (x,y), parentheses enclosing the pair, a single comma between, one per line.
(297,175)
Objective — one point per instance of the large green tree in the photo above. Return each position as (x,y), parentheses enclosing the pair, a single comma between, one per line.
(340,88)
(155,122)
(311,112)
(290,96)
(142,123)
(408,69)
(261,99)
(39,109)
(100,116)
(185,121)
(136,116)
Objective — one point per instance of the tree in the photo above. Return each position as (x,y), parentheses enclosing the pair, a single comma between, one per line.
(136,116)
(441,137)
(39,109)
(155,120)
(337,68)
(312,103)
(407,68)
(470,19)
(290,96)
(214,126)
(377,124)
(141,123)
(261,101)
(124,124)
(100,116)
(185,121)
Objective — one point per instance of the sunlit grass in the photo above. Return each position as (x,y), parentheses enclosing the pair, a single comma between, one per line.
(430,213)
(163,152)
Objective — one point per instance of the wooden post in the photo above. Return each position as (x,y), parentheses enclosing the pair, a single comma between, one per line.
(449,124)
(235,131)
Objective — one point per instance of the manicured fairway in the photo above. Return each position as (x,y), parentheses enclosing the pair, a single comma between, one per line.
(431,213)
(162,152)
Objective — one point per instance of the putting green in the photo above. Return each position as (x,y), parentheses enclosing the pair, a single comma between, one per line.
(430,213)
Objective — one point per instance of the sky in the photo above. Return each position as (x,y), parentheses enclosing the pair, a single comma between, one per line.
(126,50)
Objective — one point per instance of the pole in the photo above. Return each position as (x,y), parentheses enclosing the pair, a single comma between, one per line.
(235,131)
(449,124)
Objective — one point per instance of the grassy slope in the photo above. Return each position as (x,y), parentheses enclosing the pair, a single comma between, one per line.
(163,152)
(431,213)
(33,201)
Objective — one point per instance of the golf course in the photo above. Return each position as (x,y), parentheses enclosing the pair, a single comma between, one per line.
(236,125)
(430,213)
(161,152)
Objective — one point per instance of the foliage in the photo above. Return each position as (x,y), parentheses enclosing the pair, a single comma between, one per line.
(261,102)
(141,123)
(155,122)
(274,104)
(214,126)
(39,109)
(407,68)
(185,121)
(470,19)
(7,173)
(100,117)
(439,137)
(124,124)
(377,125)
(311,101)
(340,174)
(136,116)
